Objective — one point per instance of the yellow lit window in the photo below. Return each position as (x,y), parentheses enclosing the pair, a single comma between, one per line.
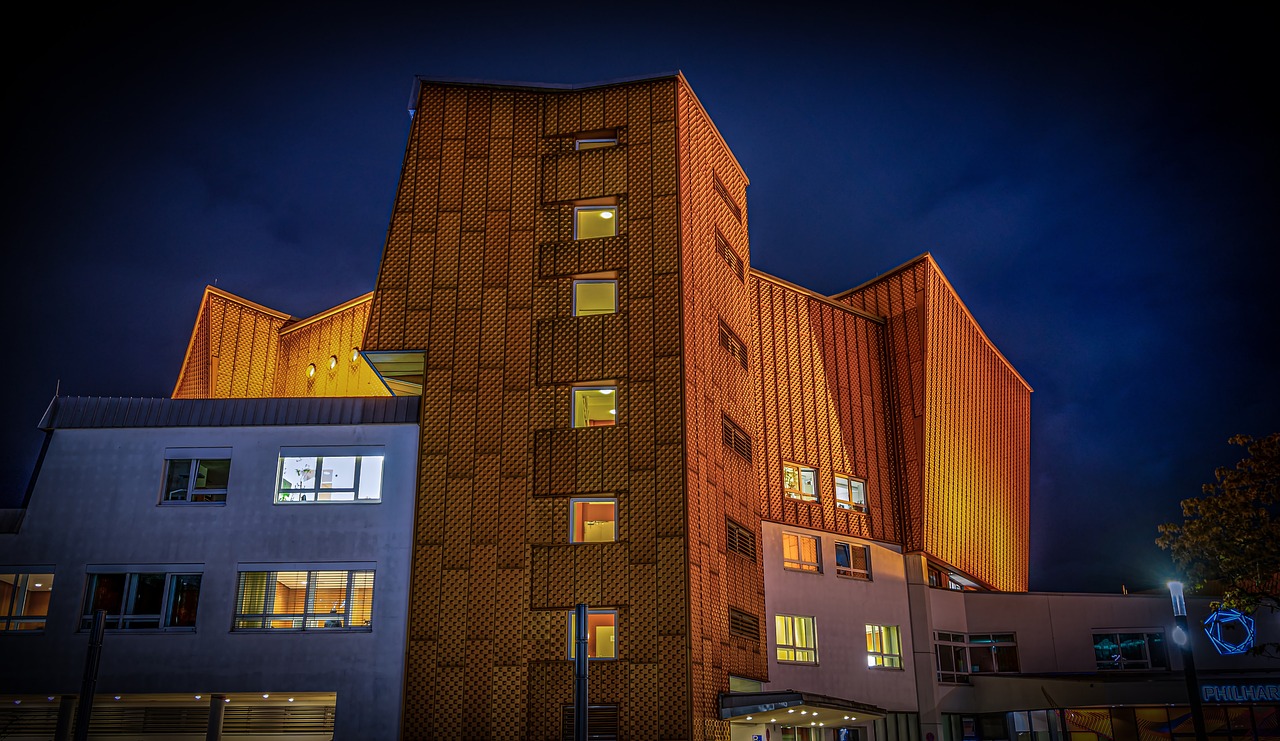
(800,482)
(24,601)
(800,552)
(593,520)
(602,628)
(797,638)
(884,647)
(593,222)
(304,600)
(851,494)
(592,297)
(595,406)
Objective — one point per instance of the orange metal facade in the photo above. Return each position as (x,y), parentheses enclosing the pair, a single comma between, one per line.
(891,383)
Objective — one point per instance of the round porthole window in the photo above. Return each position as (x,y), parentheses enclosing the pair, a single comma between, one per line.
(311,370)
(355,355)
(333,362)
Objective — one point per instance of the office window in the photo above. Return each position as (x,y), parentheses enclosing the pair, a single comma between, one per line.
(595,406)
(735,437)
(952,655)
(593,520)
(884,647)
(739,540)
(593,222)
(733,345)
(1130,651)
(799,482)
(24,600)
(329,475)
(744,624)
(851,494)
(602,628)
(196,480)
(718,185)
(797,638)
(591,297)
(853,561)
(800,553)
(729,255)
(142,600)
(304,600)
(992,653)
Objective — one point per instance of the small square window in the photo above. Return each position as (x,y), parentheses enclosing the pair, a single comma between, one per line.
(884,647)
(593,222)
(602,628)
(591,297)
(800,553)
(799,482)
(797,638)
(853,561)
(196,480)
(24,600)
(595,406)
(593,520)
(851,494)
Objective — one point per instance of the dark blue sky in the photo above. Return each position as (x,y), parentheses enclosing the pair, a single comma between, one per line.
(1101,188)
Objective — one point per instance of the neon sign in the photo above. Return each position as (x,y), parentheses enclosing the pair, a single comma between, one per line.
(1224,627)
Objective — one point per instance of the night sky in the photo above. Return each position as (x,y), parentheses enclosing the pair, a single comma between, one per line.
(1100,188)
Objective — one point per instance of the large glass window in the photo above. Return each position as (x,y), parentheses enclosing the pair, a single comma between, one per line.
(593,222)
(329,475)
(800,482)
(142,600)
(800,553)
(602,627)
(593,296)
(960,655)
(851,494)
(1130,651)
(24,600)
(853,561)
(797,638)
(196,480)
(884,647)
(304,600)
(595,406)
(593,520)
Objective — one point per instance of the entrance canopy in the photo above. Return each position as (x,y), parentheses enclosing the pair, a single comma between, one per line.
(793,708)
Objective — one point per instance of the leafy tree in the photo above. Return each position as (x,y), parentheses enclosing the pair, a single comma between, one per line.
(1230,535)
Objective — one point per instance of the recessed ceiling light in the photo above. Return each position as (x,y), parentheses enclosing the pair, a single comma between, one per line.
(265,695)
(606,214)
(804,712)
(226,699)
(49,698)
(606,392)
(791,710)
(290,699)
(197,697)
(117,697)
(613,411)
(39,585)
(748,717)
(19,702)
(846,717)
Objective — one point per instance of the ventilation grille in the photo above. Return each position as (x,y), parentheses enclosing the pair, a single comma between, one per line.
(735,438)
(602,723)
(744,624)
(726,253)
(733,345)
(740,540)
(723,192)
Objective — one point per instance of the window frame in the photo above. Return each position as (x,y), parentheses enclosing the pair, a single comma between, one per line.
(793,645)
(969,646)
(1119,664)
(851,503)
(798,563)
(595,207)
(573,518)
(123,619)
(21,589)
(574,296)
(849,572)
(569,652)
(884,647)
(798,494)
(602,142)
(284,496)
(309,620)
(573,403)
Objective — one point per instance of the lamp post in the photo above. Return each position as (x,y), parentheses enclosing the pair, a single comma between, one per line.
(1182,637)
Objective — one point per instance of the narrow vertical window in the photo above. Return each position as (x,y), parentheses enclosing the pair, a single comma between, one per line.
(718,185)
(733,345)
(602,626)
(729,255)
(735,437)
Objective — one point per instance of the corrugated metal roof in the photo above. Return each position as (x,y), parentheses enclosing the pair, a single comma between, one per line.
(70,412)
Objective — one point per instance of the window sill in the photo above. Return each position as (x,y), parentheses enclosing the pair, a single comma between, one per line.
(330,501)
(795,498)
(879,668)
(854,578)
(192,504)
(797,663)
(851,510)
(304,631)
(815,572)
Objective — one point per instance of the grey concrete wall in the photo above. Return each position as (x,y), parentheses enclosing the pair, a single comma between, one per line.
(97,502)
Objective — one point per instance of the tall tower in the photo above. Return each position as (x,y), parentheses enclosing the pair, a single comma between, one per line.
(563,268)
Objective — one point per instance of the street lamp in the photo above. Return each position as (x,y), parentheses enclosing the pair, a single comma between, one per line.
(1183,638)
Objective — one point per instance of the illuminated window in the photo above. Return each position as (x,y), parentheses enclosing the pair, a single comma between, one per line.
(851,494)
(884,647)
(797,638)
(800,553)
(602,628)
(24,600)
(595,406)
(593,222)
(195,476)
(304,600)
(593,520)
(142,600)
(799,482)
(853,561)
(591,297)
(339,474)
(1130,651)
(595,140)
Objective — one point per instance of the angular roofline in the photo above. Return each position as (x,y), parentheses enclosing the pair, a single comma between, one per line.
(246,302)
(326,313)
(928,257)
(814,295)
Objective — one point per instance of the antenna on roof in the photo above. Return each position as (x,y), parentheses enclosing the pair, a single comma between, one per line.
(57,387)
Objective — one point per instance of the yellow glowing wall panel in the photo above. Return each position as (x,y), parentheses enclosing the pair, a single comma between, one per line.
(233,349)
(328,342)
